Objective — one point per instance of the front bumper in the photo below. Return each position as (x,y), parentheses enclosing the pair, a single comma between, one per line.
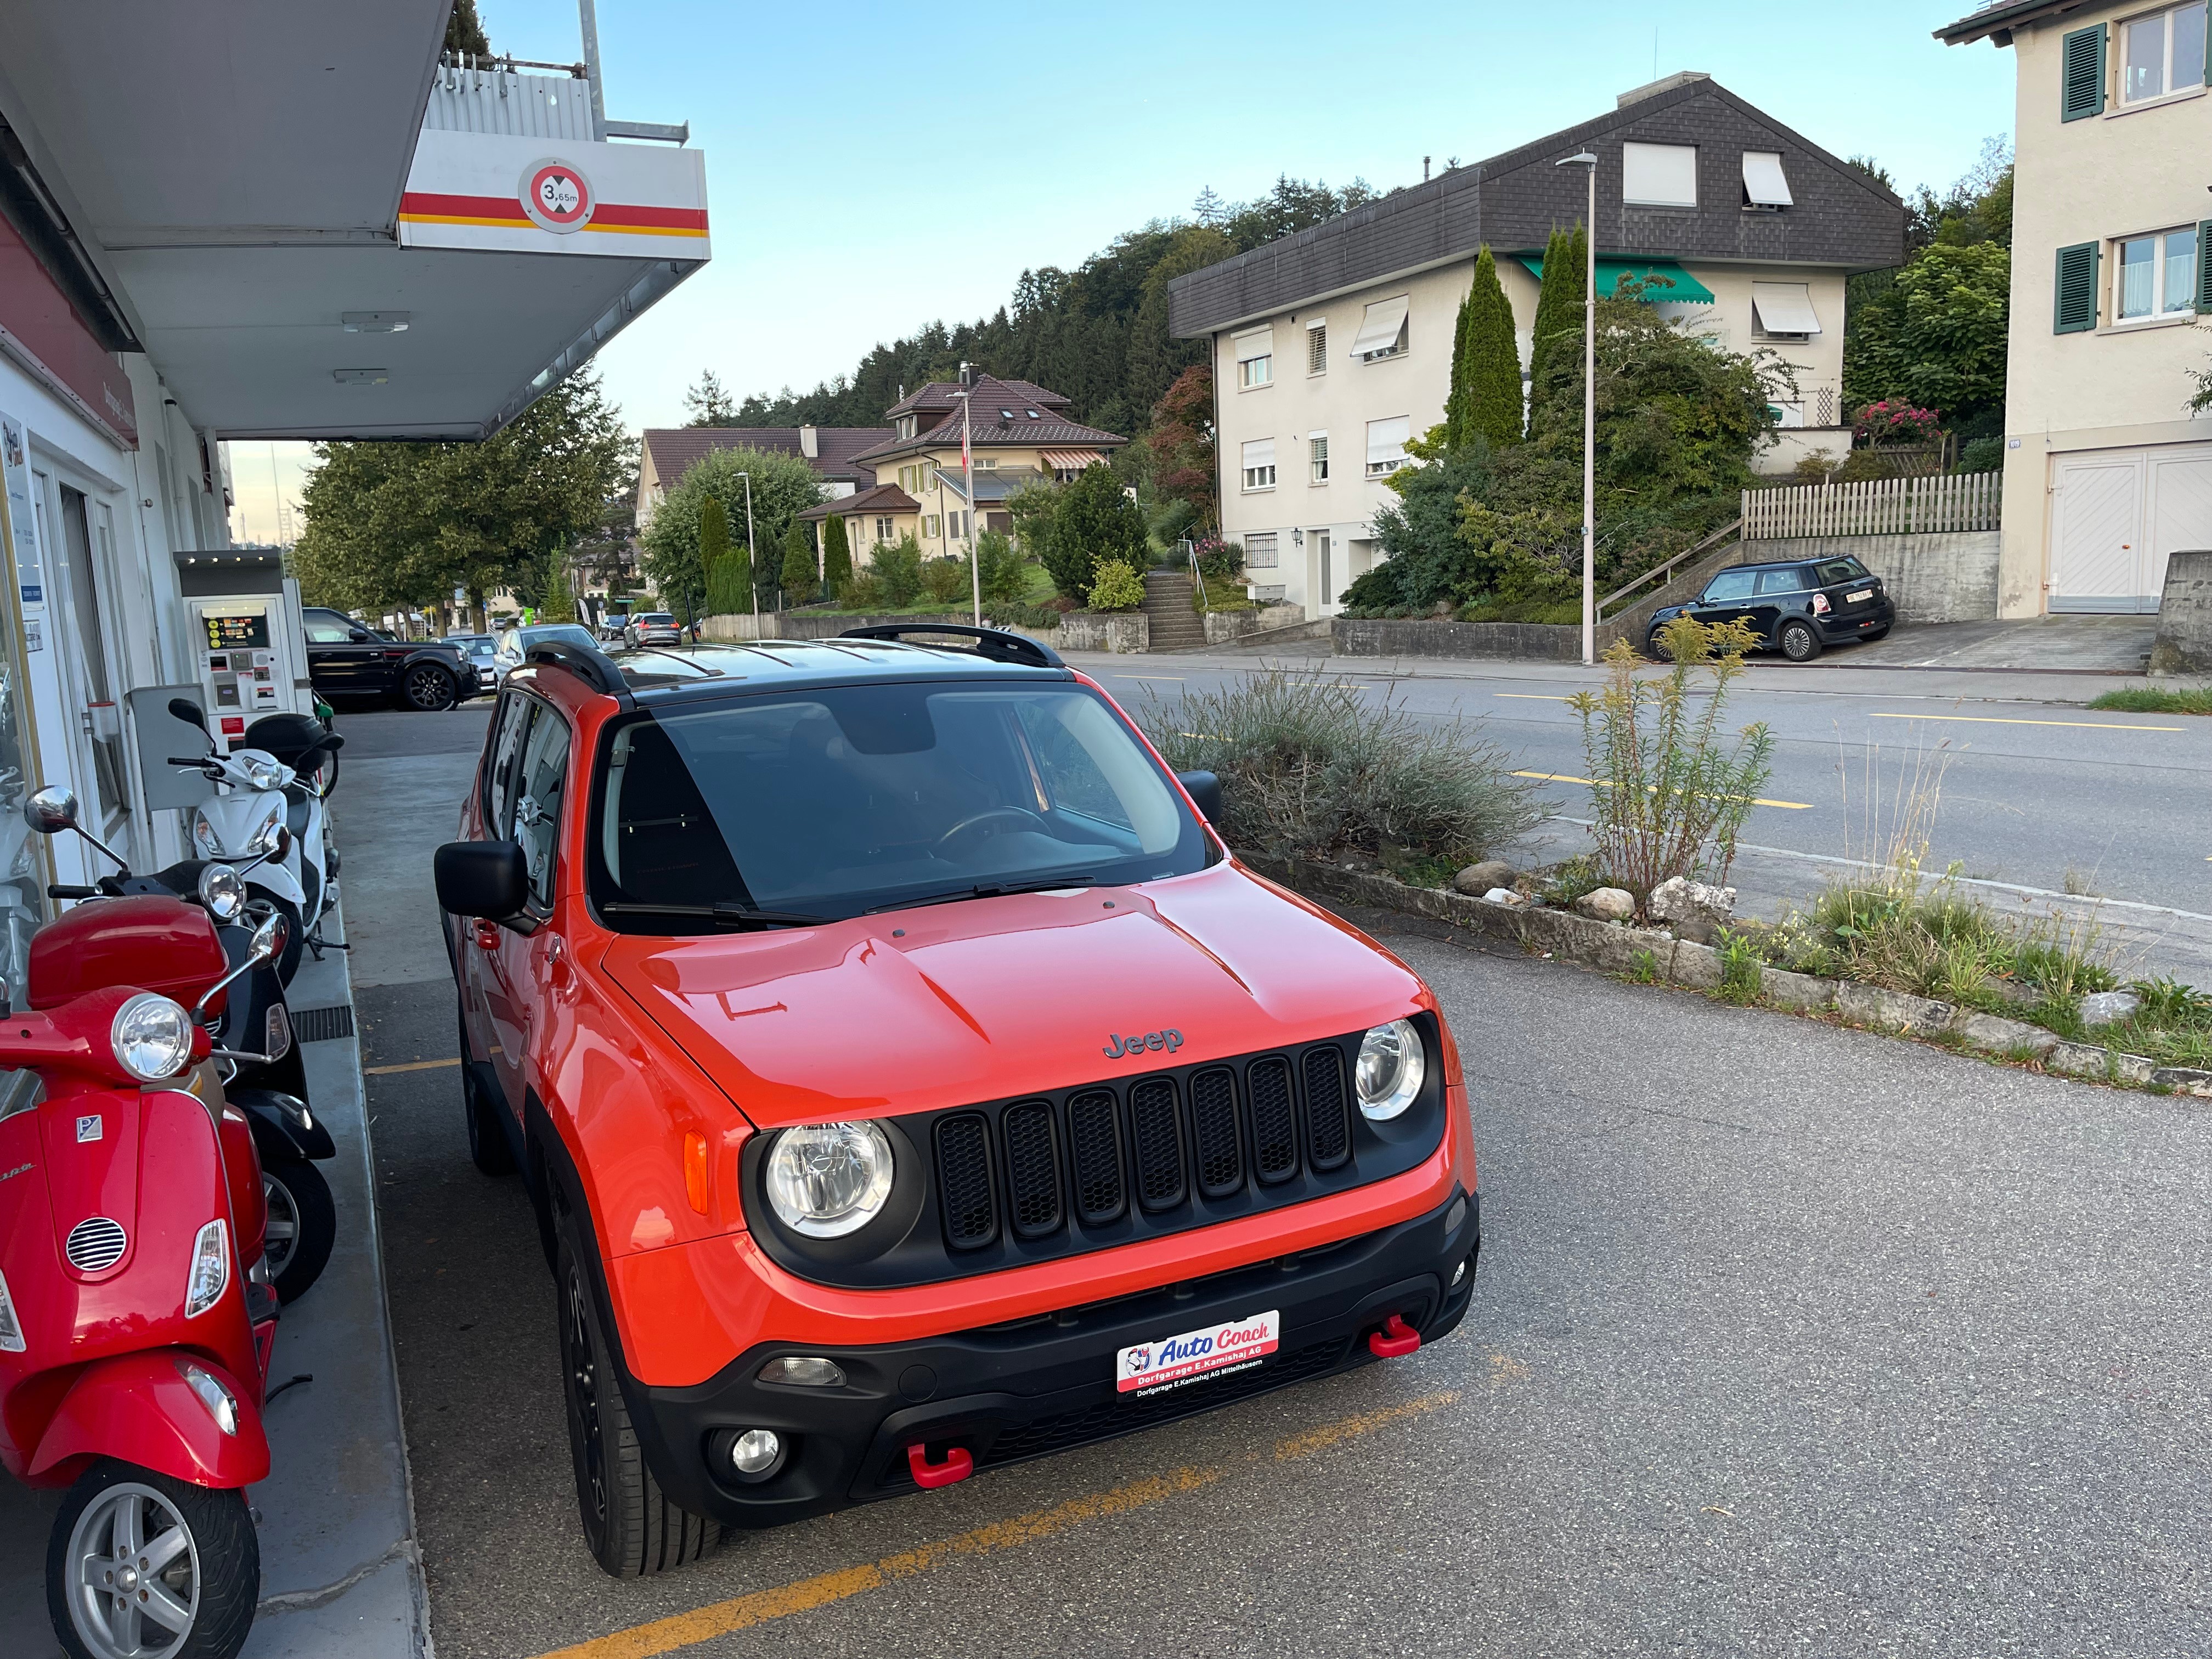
(1008,1393)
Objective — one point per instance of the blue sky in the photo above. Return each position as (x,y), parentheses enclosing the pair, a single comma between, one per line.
(872,167)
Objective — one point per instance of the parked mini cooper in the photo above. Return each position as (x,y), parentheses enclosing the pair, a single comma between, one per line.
(1797,606)
(909,1081)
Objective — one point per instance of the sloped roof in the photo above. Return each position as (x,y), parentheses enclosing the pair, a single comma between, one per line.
(945,394)
(676,450)
(1839,218)
(883,498)
(1997,19)
(992,484)
(1049,431)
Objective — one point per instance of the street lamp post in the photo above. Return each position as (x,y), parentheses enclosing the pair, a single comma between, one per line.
(968,476)
(1585,159)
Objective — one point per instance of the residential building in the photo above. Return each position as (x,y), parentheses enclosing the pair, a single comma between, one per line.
(1333,346)
(1018,434)
(352,240)
(668,453)
(2105,471)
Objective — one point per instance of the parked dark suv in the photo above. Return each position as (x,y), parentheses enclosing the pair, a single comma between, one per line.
(346,660)
(1797,606)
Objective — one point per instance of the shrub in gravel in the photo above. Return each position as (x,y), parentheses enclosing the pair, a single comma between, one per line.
(1313,767)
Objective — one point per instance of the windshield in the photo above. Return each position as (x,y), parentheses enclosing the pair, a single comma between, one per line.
(836,801)
(571,632)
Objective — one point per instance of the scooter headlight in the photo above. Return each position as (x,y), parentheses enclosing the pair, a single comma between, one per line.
(260,771)
(152,1037)
(222,894)
(209,842)
(210,1271)
(826,1180)
(1392,1066)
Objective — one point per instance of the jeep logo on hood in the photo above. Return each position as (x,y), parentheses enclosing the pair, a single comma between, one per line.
(1121,1047)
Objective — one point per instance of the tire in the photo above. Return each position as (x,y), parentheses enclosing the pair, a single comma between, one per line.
(428,688)
(1799,641)
(1655,649)
(489,1147)
(630,1526)
(212,1581)
(303,1224)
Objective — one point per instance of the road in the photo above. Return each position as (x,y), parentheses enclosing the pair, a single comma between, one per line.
(1785,1338)
(2035,790)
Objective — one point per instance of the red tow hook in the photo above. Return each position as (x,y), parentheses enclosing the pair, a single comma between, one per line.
(1394,1341)
(956,1465)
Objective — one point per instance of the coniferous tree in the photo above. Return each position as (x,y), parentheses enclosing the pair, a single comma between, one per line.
(1556,370)
(715,569)
(801,583)
(1489,364)
(836,555)
(1458,421)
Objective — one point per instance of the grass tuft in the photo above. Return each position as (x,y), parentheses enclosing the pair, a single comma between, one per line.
(2148,700)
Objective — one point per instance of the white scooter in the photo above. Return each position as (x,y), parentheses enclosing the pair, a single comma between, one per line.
(253,791)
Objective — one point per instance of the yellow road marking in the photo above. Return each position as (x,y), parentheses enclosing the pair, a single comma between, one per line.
(410,1066)
(1992,719)
(1530,696)
(717,1618)
(1562,777)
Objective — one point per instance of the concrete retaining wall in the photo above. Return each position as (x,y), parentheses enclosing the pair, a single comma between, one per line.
(1227,627)
(1951,576)
(1122,632)
(2184,645)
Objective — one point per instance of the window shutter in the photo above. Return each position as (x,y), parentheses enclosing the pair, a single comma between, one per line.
(2074,310)
(2203,268)
(2082,74)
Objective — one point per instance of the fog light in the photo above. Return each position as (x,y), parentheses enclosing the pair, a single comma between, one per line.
(1459,1276)
(804,1371)
(754,1451)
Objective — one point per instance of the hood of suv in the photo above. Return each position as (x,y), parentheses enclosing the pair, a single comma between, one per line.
(920,1010)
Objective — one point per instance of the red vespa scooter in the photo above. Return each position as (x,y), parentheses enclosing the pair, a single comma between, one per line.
(136,1321)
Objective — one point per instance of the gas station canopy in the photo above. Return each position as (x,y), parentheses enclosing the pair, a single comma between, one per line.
(317,230)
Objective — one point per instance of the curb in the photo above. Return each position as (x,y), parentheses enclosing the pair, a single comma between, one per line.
(1619,949)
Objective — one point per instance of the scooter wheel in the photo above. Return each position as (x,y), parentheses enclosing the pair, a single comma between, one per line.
(141,1562)
(303,1222)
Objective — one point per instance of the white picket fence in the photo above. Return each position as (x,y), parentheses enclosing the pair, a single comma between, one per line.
(1878,506)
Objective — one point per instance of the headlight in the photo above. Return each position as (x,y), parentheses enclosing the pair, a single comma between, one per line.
(152,1037)
(260,772)
(1391,1063)
(826,1180)
(221,892)
(203,833)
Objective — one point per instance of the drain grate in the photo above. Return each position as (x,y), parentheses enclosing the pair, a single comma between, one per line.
(323,1024)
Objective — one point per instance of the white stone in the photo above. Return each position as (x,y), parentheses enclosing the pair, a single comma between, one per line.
(1504,896)
(2109,1008)
(1607,903)
(1696,910)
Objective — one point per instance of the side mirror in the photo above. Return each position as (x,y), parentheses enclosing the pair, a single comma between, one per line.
(486,878)
(271,938)
(359,636)
(185,709)
(50,811)
(1204,791)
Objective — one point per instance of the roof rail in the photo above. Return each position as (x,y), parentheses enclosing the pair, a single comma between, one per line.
(588,663)
(996,643)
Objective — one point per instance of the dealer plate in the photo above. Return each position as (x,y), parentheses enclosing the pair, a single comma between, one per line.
(1173,1359)
(1863,594)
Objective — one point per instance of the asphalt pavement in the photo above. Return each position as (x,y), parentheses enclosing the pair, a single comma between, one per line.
(1785,1338)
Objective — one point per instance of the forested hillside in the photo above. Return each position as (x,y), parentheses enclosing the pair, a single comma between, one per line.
(1097,334)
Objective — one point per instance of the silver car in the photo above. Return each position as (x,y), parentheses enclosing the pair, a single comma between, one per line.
(654,628)
(482,651)
(516,641)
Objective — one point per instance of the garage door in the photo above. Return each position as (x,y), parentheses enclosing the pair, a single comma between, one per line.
(2116,514)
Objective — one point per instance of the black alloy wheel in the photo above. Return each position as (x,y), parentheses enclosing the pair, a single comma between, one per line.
(631,1527)
(303,1224)
(428,689)
(1799,643)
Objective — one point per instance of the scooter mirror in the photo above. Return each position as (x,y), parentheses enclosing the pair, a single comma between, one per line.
(50,811)
(185,709)
(271,938)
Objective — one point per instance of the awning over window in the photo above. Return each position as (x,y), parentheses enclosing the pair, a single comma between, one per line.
(1379,328)
(1260,343)
(1763,185)
(1067,460)
(1386,440)
(1784,307)
(1610,271)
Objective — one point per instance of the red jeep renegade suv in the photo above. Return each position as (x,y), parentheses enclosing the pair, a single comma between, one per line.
(909,1081)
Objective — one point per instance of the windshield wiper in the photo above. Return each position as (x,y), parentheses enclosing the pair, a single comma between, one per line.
(990,890)
(726,911)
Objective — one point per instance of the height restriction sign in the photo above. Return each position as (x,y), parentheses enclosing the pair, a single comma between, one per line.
(556,197)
